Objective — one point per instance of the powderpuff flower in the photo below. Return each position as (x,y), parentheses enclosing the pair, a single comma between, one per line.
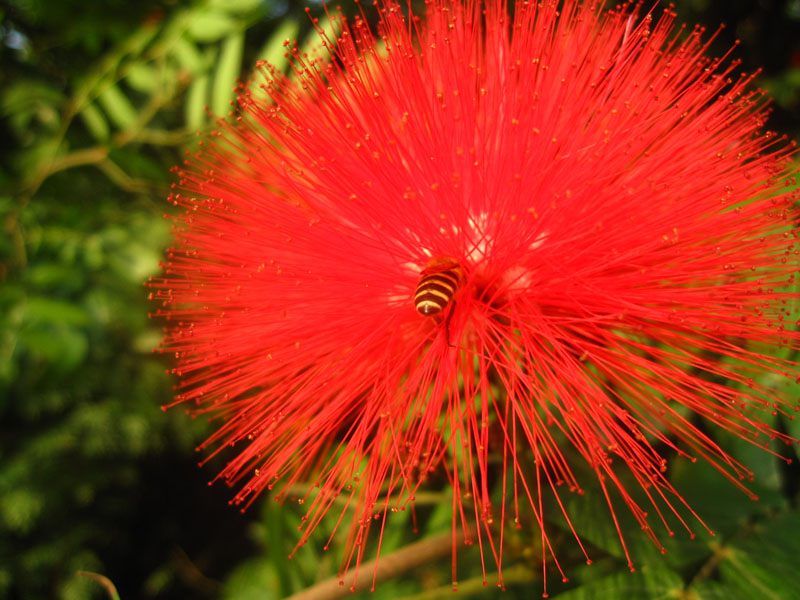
(481,246)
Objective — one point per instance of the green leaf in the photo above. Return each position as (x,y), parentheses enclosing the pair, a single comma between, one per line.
(25,103)
(723,507)
(765,564)
(646,584)
(189,57)
(51,331)
(255,579)
(793,428)
(45,275)
(20,508)
(197,102)
(40,309)
(591,518)
(147,341)
(314,44)
(212,26)
(142,77)
(790,391)
(228,68)
(158,581)
(274,51)
(118,107)
(764,465)
(63,347)
(95,122)
(236,6)
(715,590)
(134,261)
(31,161)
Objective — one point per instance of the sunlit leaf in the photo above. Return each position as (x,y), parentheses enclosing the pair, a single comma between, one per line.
(188,56)
(95,122)
(212,26)
(197,102)
(315,44)
(142,77)
(118,107)
(236,6)
(274,50)
(228,68)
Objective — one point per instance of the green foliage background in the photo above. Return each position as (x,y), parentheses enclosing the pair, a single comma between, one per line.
(99,98)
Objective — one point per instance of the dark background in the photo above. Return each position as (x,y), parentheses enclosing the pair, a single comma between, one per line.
(98,100)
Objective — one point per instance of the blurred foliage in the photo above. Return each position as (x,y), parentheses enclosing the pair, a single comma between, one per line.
(98,99)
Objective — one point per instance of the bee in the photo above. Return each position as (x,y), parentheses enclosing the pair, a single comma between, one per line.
(438,283)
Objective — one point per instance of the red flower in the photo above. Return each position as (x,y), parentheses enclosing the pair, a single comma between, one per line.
(611,227)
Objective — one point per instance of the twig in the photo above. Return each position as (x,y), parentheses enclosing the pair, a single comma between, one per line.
(102,580)
(420,498)
(477,585)
(161,137)
(720,551)
(718,554)
(77,158)
(122,179)
(387,567)
(190,574)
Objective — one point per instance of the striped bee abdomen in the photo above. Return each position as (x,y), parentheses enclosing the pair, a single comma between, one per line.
(436,288)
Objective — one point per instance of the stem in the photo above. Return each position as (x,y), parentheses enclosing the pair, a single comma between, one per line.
(420,498)
(102,580)
(77,158)
(387,567)
(518,574)
(719,553)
